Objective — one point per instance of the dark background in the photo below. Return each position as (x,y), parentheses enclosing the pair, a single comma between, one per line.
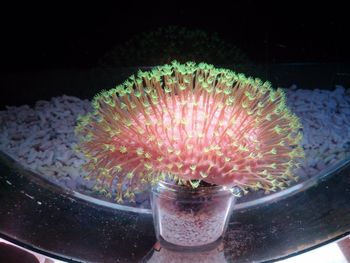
(53,48)
(56,35)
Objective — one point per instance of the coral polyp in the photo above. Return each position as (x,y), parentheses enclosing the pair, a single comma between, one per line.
(190,123)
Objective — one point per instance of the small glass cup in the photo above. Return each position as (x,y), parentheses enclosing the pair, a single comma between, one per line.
(191,219)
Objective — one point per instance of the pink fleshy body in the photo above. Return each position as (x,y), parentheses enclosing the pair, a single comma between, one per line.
(189,122)
(195,140)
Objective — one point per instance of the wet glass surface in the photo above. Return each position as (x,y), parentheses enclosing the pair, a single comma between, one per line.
(55,221)
(76,223)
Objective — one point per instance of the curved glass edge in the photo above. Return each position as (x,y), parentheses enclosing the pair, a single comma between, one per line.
(40,179)
(315,247)
(108,204)
(238,206)
(38,250)
(296,188)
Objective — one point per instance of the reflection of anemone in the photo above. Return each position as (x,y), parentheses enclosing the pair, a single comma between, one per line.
(165,44)
(190,123)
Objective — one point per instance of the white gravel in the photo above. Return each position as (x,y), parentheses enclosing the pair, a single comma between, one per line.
(325,116)
(42,138)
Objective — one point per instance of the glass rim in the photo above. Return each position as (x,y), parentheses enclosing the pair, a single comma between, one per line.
(169,187)
(41,181)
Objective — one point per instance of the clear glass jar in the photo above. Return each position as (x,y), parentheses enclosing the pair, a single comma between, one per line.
(191,219)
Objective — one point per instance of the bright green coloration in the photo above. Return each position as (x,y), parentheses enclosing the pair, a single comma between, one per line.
(190,123)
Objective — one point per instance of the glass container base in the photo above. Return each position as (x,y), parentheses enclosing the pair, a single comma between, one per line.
(191,219)
(179,248)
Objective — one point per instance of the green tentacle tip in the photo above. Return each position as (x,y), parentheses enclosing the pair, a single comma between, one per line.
(140,106)
(195,183)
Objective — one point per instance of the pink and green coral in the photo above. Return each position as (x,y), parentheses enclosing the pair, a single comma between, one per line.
(190,123)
